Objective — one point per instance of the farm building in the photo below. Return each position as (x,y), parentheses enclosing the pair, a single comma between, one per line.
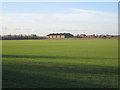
(59,35)
(82,35)
(91,36)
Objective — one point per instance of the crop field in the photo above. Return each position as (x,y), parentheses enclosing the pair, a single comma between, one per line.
(60,63)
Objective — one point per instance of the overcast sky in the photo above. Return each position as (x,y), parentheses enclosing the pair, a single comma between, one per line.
(42,18)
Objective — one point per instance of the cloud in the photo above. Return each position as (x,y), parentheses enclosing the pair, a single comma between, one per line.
(82,21)
(93,12)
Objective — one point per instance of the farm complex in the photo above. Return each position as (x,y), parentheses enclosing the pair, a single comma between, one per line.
(59,35)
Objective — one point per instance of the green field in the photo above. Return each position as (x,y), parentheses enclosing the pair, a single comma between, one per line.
(60,63)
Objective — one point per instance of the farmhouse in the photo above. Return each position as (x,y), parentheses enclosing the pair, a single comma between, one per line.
(91,36)
(82,35)
(59,35)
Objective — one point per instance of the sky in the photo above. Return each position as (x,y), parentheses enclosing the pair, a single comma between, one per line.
(42,18)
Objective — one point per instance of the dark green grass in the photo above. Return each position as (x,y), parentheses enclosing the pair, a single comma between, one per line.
(60,63)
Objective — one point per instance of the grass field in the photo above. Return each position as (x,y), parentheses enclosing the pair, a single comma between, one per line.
(60,63)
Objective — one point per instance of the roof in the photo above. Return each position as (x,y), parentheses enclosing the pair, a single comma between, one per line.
(52,34)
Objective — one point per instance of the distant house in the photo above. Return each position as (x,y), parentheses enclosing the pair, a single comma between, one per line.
(91,36)
(82,35)
(59,35)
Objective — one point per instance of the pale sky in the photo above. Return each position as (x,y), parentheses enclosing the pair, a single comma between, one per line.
(42,18)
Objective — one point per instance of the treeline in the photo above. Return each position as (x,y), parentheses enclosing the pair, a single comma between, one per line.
(96,36)
(20,37)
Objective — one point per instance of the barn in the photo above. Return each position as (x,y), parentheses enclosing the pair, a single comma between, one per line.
(59,35)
